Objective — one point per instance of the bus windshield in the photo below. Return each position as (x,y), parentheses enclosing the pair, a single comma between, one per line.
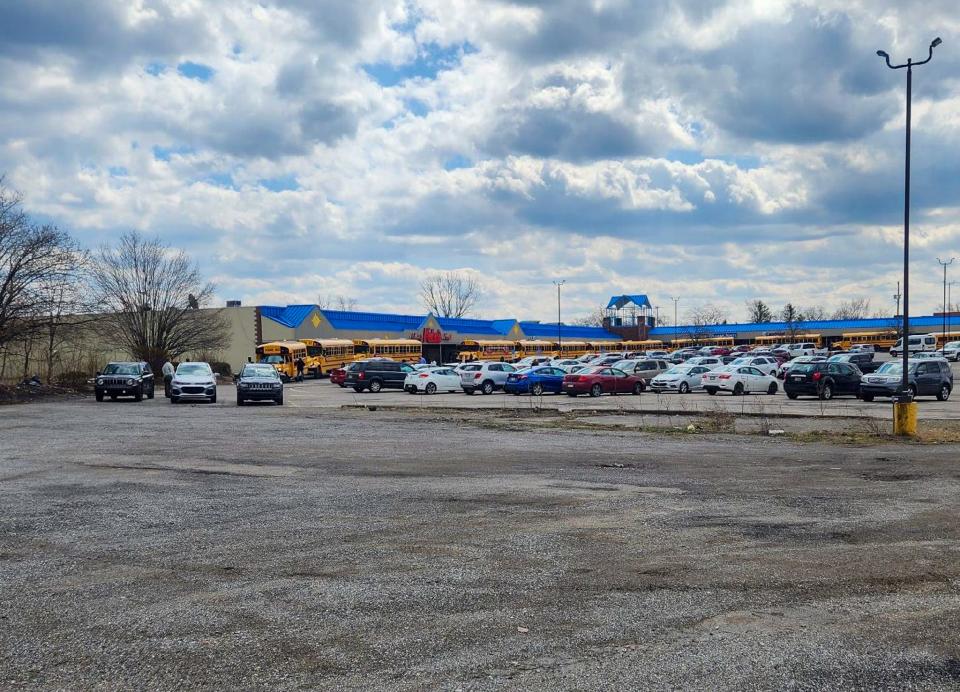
(272,359)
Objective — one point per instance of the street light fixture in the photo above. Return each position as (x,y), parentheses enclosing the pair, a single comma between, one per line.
(558,284)
(904,396)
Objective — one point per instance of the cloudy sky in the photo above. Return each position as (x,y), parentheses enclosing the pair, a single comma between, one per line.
(716,150)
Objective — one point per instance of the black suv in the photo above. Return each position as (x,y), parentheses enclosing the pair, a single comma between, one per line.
(124,379)
(925,377)
(864,361)
(259,382)
(374,375)
(823,380)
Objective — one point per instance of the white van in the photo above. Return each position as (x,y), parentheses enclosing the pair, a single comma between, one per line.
(926,342)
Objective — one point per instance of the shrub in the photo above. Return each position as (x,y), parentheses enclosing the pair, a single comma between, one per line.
(73,379)
(222,369)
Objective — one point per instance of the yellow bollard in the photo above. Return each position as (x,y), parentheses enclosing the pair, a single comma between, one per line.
(905,419)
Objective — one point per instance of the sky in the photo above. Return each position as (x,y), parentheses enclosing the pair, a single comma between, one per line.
(713,150)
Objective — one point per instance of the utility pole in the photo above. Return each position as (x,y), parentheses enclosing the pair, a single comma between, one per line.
(945,265)
(905,410)
(656,321)
(897,297)
(675,301)
(558,284)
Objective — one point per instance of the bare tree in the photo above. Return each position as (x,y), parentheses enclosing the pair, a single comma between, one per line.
(337,302)
(594,319)
(36,262)
(791,318)
(853,309)
(758,311)
(813,313)
(151,296)
(450,294)
(701,318)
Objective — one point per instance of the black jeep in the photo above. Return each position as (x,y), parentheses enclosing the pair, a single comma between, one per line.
(124,379)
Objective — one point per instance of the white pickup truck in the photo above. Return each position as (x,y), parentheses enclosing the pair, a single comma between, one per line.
(806,348)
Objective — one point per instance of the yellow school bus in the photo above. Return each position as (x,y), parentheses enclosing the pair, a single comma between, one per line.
(404,350)
(682,343)
(645,345)
(282,355)
(722,341)
(535,347)
(324,355)
(884,339)
(493,349)
(768,340)
(573,349)
(605,346)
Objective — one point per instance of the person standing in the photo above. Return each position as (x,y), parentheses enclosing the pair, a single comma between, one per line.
(299,363)
(168,370)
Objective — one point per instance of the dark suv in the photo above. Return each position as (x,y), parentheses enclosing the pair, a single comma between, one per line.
(823,380)
(926,377)
(124,379)
(374,375)
(864,361)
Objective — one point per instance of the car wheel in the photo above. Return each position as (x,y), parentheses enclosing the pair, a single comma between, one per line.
(376,386)
(213,399)
(573,394)
(913,391)
(684,388)
(944,393)
(596,390)
(138,395)
(487,387)
(469,391)
(867,397)
(738,389)
(151,392)
(240,401)
(431,388)
(98,396)
(772,389)
(174,400)
(536,389)
(792,395)
(358,389)
(711,391)
(826,392)
(638,388)
(280,400)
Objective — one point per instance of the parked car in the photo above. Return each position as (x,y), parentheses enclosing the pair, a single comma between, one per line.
(536,381)
(784,368)
(951,350)
(374,375)
(602,380)
(738,379)
(865,348)
(338,376)
(742,348)
(824,380)
(484,376)
(766,364)
(606,359)
(680,378)
(432,380)
(864,361)
(657,354)
(194,382)
(924,377)
(565,363)
(124,379)
(928,355)
(644,368)
(531,361)
(259,382)
(916,344)
(709,361)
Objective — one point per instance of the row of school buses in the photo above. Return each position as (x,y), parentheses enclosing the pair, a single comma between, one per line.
(320,356)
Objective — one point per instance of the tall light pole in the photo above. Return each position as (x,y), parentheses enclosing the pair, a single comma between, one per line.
(945,265)
(897,296)
(558,284)
(904,394)
(675,301)
(656,320)
(950,285)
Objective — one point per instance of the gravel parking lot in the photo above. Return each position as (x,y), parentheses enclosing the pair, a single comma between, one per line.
(157,546)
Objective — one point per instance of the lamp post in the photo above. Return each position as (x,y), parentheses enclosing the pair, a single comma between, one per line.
(905,412)
(945,265)
(675,301)
(950,285)
(558,284)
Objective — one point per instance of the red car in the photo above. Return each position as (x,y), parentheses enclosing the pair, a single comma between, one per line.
(720,351)
(601,380)
(338,375)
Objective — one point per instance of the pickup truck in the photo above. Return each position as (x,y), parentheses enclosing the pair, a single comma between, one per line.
(864,361)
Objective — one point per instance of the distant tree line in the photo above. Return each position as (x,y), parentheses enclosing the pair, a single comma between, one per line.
(57,298)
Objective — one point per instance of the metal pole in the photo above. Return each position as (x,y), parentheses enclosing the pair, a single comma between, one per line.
(558,284)
(945,265)
(675,301)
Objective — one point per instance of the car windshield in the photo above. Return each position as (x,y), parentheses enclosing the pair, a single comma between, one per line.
(953,344)
(678,370)
(592,371)
(725,368)
(121,369)
(804,367)
(890,369)
(622,364)
(258,371)
(838,359)
(193,369)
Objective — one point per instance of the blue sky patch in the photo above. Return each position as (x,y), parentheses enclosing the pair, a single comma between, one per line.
(431,60)
(195,70)
(417,107)
(164,153)
(220,179)
(117,171)
(280,183)
(457,161)
(156,68)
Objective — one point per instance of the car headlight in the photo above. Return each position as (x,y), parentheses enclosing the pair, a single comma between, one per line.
(277,385)
(99,383)
(242,385)
(130,382)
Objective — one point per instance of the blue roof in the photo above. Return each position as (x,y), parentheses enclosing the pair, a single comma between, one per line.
(639,299)
(289,316)
(567,331)
(468,326)
(874,323)
(372,321)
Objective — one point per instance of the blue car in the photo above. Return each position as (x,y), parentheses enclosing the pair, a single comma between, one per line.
(535,381)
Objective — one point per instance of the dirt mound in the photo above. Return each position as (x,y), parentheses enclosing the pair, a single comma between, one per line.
(26,392)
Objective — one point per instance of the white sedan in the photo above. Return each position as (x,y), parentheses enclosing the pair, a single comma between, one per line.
(765,364)
(432,380)
(738,379)
(680,378)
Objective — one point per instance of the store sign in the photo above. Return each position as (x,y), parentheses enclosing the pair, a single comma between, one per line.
(430,336)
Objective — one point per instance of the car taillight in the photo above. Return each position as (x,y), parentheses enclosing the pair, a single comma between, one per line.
(477,376)
(521,377)
(816,376)
(423,376)
(360,375)
(581,378)
(723,377)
